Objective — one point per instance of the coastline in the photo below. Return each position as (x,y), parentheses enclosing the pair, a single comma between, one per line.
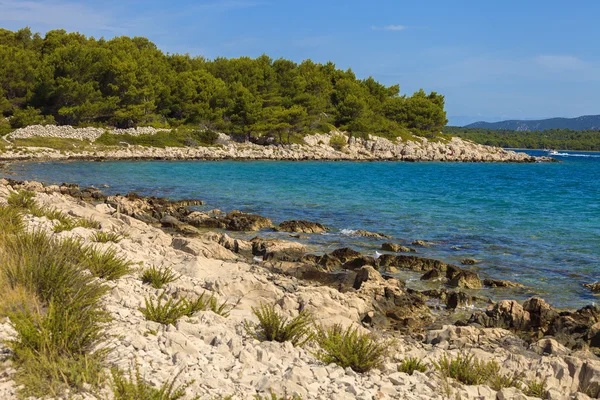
(507,332)
(314,147)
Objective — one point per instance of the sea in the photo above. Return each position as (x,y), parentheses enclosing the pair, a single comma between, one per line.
(536,224)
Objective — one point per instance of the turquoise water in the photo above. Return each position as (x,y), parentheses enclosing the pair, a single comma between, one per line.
(538,224)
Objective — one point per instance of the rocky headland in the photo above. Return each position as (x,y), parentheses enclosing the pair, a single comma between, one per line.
(314,147)
(532,342)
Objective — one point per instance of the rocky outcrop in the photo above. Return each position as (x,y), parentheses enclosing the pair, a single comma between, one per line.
(466,279)
(276,249)
(501,283)
(239,221)
(301,226)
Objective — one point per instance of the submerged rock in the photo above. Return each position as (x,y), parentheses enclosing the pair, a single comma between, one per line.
(594,287)
(301,226)
(362,232)
(469,261)
(396,248)
(496,283)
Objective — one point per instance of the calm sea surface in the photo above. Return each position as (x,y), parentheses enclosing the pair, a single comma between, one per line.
(537,224)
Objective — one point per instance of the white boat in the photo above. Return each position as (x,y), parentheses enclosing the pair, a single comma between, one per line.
(552,152)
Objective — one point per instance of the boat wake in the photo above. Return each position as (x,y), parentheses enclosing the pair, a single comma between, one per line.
(576,155)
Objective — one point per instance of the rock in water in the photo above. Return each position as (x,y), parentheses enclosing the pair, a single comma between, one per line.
(467,280)
(239,221)
(301,226)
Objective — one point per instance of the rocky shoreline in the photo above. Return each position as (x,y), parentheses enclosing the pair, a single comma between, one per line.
(315,147)
(532,339)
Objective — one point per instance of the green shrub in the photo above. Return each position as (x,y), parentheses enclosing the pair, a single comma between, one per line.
(29,116)
(412,364)
(11,220)
(164,313)
(203,304)
(171,310)
(338,142)
(67,223)
(471,371)
(158,277)
(349,348)
(105,264)
(536,389)
(105,237)
(56,340)
(135,388)
(23,199)
(274,327)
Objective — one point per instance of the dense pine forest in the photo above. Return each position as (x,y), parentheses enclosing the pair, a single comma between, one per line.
(70,79)
(548,139)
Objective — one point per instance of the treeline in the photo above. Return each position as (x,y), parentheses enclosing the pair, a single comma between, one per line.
(67,78)
(549,139)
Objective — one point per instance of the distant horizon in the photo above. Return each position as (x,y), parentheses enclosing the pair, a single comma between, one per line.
(457,120)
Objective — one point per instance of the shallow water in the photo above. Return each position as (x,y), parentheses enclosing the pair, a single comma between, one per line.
(538,224)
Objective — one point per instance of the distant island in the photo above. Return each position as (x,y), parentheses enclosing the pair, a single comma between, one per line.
(566,139)
(583,123)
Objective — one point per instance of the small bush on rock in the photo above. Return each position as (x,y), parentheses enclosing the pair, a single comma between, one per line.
(349,348)
(22,199)
(170,311)
(105,264)
(536,389)
(164,313)
(338,142)
(11,220)
(412,364)
(158,277)
(56,312)
(471,371)
(274,327)
(136,388)
(105,237)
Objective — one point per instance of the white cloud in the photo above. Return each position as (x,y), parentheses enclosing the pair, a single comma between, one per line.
(389,28)
(560,62)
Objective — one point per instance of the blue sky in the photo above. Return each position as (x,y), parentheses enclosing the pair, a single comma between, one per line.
(491,59)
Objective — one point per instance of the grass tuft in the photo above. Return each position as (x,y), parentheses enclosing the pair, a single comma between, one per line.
(536,389)
(23,199)
(169,311)
(274,327)
(11,221)
(105,264)
(136,388)
(105,237)
(471,371)
(412,364)
(54,307)
(158,277)
(349,348)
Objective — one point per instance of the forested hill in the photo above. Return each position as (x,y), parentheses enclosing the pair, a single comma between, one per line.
(550,139)
(67,78)
(586,122)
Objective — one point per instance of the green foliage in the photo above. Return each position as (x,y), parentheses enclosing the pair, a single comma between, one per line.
(548,139)
(105,237)
(62,144)
(274,327)
(171,310)
(338,142)
(29,116)
(57,317)
(164,313)
(471,371)
(22,199)
(104,264)
(158,277)
(412,364)
(536,389)
(125,82)
(181,137)
(349,348)
(135,388)
(11,220)
(67,223)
